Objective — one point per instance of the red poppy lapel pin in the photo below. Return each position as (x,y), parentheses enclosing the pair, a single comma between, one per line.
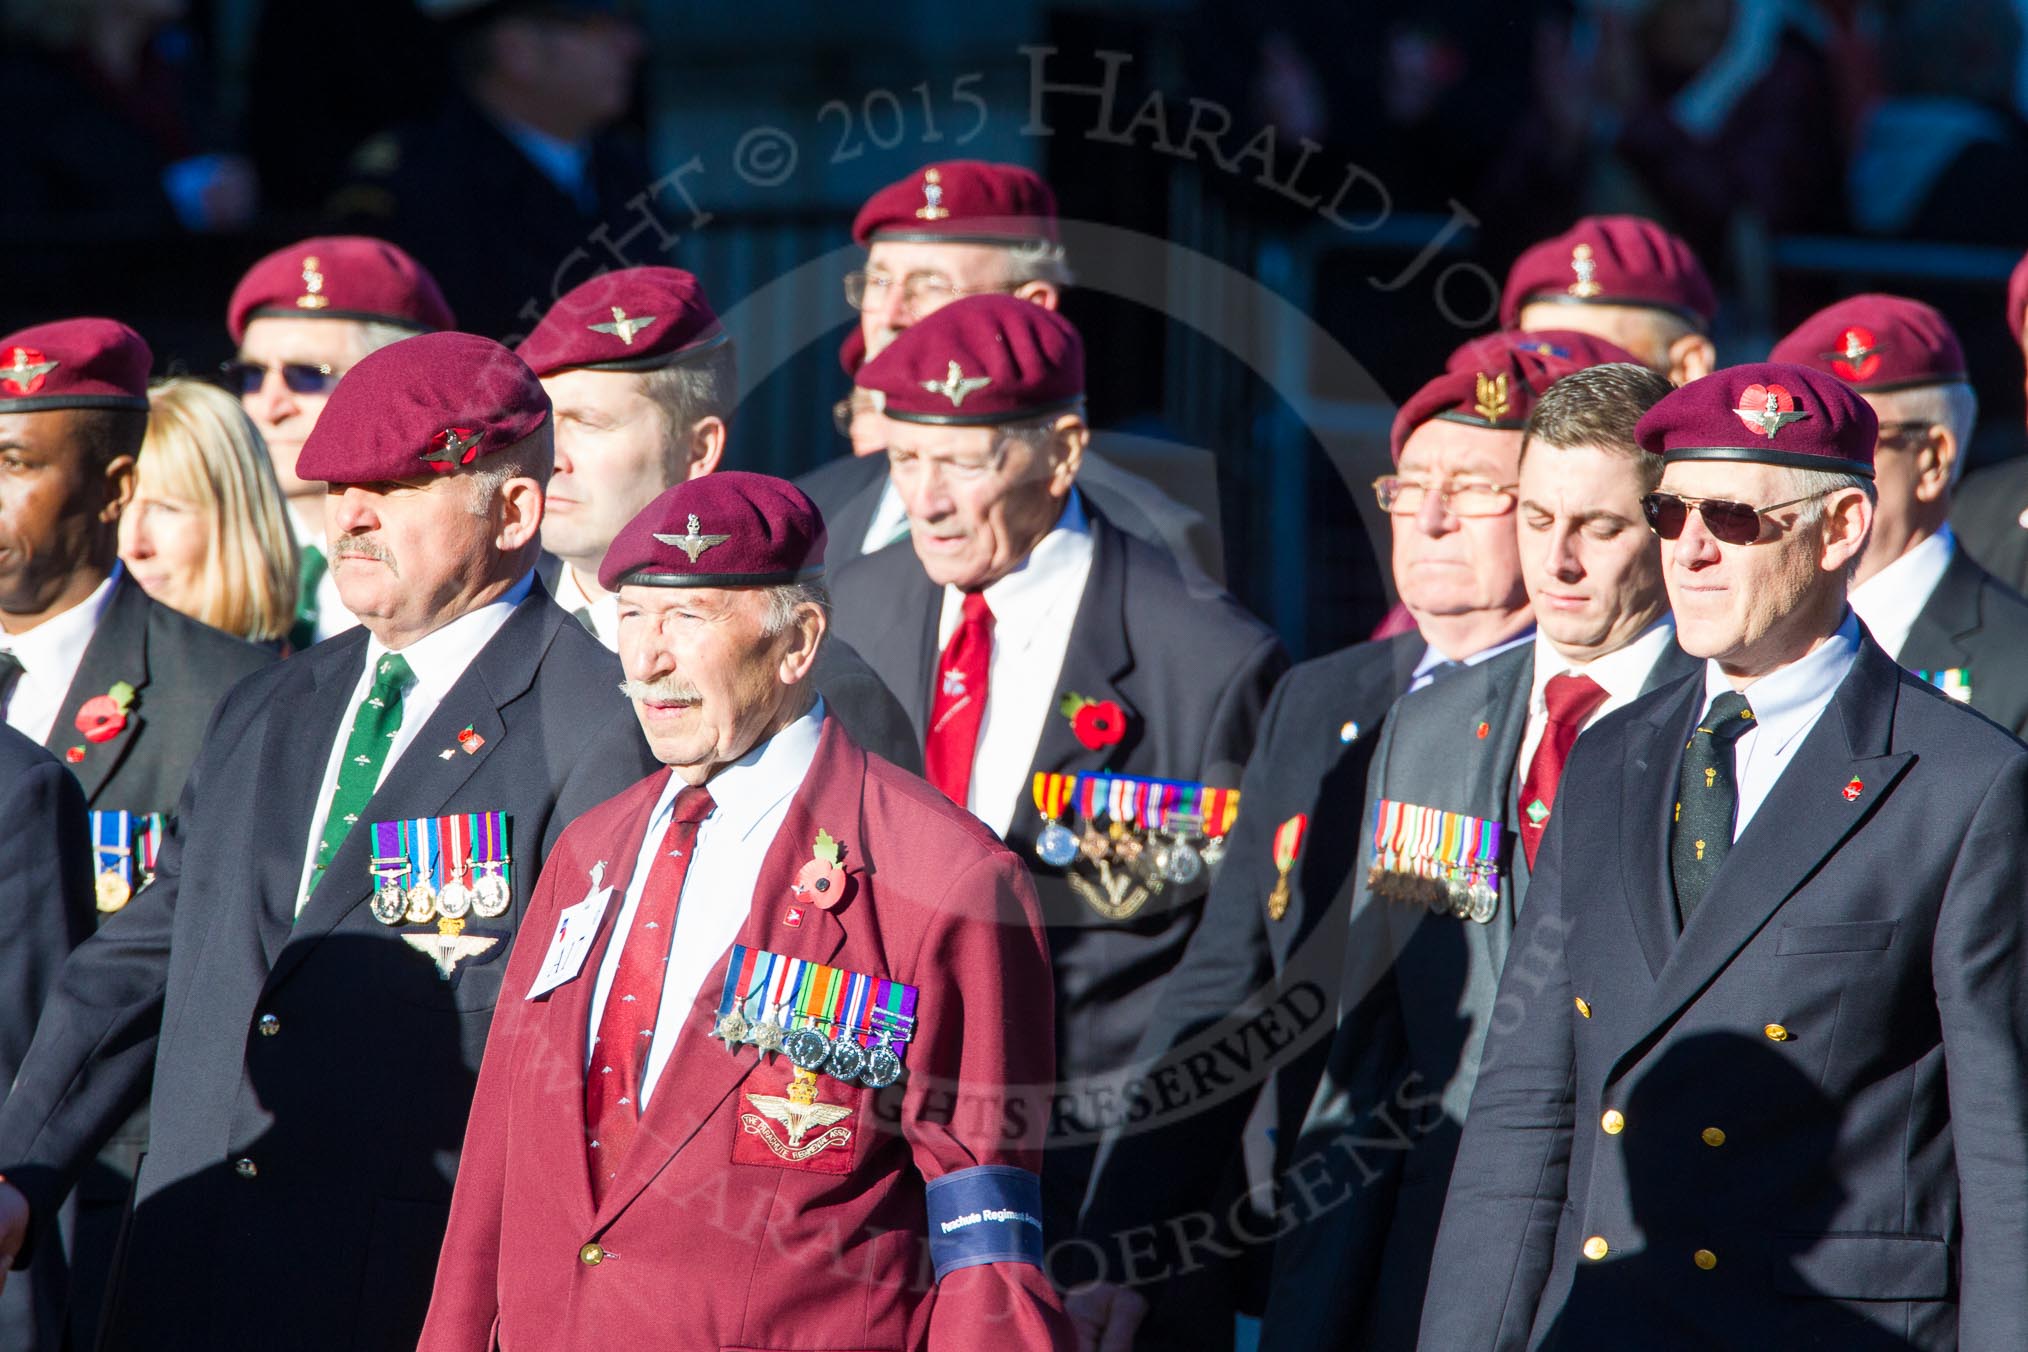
(1097,723)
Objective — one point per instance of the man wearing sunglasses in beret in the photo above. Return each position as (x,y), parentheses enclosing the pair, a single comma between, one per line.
(302,317)
(1761,1082)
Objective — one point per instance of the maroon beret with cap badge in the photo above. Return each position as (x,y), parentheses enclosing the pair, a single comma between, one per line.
(1877,343)
(730,529)
(1575,350)
(340,277)
(1611,260)
(979,361)
(438,402)
(961,202)
(1768,413)
(1491,383)
(635,319)
(74,363)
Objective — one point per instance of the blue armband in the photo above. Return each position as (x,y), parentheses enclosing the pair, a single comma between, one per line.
(991,1213)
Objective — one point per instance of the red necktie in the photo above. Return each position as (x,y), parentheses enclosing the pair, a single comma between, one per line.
(1571,700)
(612,1091)
(959,705)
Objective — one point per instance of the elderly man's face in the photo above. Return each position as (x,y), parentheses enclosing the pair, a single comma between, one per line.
(322,350)
(1593,573)
(932,274)
(409,555)
(1758,606)
(707,681)
(977,500)
(1446,564)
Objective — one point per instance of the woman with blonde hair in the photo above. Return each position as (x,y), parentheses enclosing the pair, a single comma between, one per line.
(206,532)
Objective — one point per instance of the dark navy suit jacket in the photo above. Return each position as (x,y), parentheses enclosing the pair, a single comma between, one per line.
(1799,1122)
(311,1075)
(1979,625)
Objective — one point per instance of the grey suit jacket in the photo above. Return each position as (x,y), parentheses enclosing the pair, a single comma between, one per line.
(1417,999)
(1978,625)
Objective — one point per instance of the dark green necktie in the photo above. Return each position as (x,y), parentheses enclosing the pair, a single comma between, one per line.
(373,729)
(309,576)
(1707,800)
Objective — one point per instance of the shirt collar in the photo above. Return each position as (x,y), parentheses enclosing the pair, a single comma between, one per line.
(744,793)
(1621,673)
(1889,601)
(439,657)
(1431,658)
(61,639)
(1786,702)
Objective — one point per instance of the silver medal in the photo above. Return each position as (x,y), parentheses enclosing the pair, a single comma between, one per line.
(1056,845)
(808,1049)
(389,906)
(847,1058)
(882,1068)
(1183,864)
(491,893)
(1485,901)
(454,901)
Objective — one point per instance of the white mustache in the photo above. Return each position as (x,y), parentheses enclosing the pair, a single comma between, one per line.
(668,690)
(363,547)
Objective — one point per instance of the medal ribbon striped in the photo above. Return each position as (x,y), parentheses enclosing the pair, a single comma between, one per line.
(113,844)
(794,992)
(1431,843)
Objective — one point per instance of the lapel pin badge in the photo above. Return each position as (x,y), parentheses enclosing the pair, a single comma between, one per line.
(470,740)
(1349,732)
(1481,731)
(793,918)
(1853,790)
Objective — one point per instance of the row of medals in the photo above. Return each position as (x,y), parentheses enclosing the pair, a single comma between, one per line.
(1466,896)
(807,1048)
(487,896)
(1156,858)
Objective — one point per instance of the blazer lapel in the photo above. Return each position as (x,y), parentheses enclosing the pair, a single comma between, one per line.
(700,1073)
(1803,820)
(1649,792)
(1950,615)
(311,705)
(118,651)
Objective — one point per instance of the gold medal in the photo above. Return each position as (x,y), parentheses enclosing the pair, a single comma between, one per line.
(113,891)
(422,904)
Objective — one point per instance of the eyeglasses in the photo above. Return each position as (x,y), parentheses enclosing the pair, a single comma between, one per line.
(1464,497)
(868,290)
(1734,523)
(245,377)
(1895,435)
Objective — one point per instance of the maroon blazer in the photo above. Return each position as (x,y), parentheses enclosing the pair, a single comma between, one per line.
(707,1240)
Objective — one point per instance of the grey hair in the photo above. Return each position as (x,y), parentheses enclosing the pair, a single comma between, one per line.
(369,336)
(1819,484)
(533,457)
(785,600)
(1954,406)
(1038,260)
(705,386)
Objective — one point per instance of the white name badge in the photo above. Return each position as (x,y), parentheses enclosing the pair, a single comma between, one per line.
(575,930)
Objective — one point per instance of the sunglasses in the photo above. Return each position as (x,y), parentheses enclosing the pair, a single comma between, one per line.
(245,377)
(1734,523)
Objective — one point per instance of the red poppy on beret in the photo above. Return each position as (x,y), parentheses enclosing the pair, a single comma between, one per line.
(635,319)
(340,277)
(961,201)
(730,529)
(74,363)
(1612,260)
(978,361)
(1877,343)
(1769,413)
(438,402)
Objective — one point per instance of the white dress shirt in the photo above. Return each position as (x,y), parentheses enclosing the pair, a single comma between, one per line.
(604,608)
(437,659)
(1889,601)
(1786,705)
(890,520)
(49,655)
(749,800)
(1426,668)
(1033,609)
(332,616)
(1623,673)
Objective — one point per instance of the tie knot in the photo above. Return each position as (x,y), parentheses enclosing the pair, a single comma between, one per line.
(693,804)
(1728,719)
(392,673)
(976,609)
(1571,698)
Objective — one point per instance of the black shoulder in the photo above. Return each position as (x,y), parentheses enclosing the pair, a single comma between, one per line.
(19,754)
(197,651)
(835,482)
(1158,585)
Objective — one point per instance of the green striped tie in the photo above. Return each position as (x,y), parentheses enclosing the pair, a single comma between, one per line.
(373,729)
(309,576)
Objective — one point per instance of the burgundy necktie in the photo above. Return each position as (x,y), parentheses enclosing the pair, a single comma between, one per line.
(612,1091)
(958,706)
(1571,700)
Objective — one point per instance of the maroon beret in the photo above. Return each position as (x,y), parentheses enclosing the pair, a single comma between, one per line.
(1574,350)
(636,319)
(731,529)
(1769,413)
(1611,260)
(1490,383)
(74,363)
(339,277)
(961,202)
(979,360)
(438,401)
(1877,343)
(2017,299)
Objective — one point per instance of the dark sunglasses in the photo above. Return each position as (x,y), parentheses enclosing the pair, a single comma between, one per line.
(245,377)
(1734,523)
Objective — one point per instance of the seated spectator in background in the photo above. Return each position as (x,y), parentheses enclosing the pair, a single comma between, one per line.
(108,88)
(1947,133)
(206,533)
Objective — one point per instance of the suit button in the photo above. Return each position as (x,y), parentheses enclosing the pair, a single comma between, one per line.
(1614,1122)
(591,1255)
(1713,1137)
(1776,1033)
(246,1168)
(1583,1008)
(1596,1248)
(269,1025)
(1705,1259)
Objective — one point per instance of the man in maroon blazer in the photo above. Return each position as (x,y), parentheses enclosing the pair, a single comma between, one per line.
(774,1078)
